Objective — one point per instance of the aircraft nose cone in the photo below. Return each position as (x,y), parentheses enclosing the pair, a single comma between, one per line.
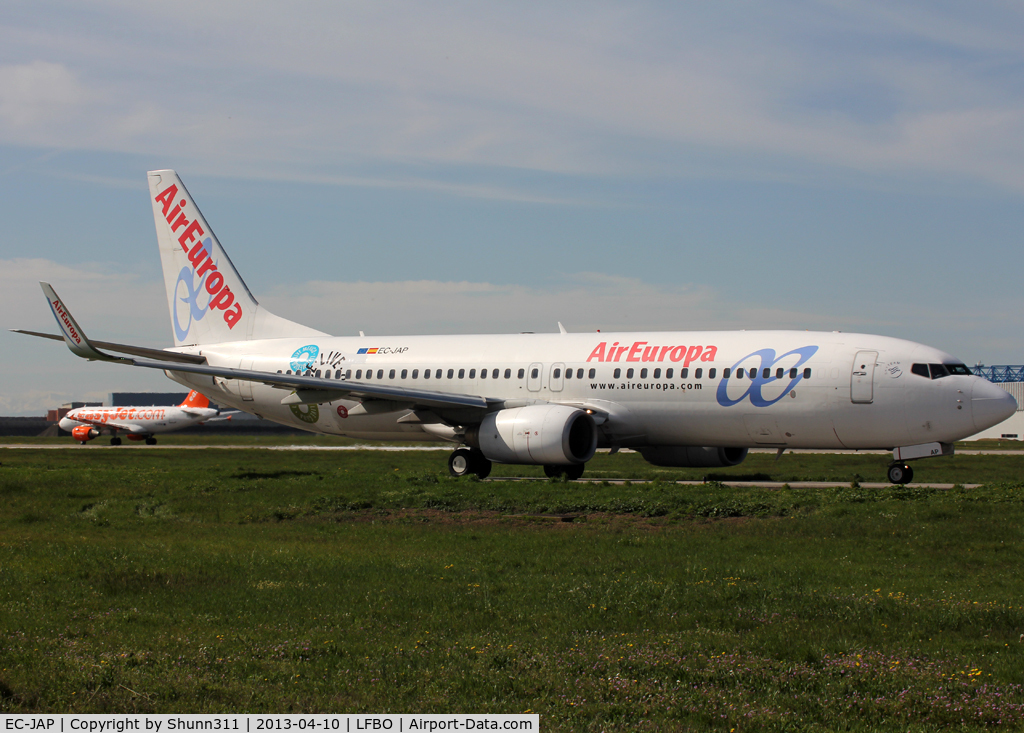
(990,405)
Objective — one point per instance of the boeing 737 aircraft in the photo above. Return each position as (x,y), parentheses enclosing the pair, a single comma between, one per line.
(681,398)
(139,423)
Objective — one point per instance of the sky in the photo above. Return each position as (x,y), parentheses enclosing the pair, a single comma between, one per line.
(412,168)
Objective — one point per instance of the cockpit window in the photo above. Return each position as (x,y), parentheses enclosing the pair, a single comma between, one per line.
(958,369)
(920,370)
(938,371)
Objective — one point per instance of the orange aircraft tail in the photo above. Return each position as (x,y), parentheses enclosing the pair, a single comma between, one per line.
(195,399)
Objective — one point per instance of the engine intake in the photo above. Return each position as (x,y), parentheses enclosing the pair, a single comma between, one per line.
(536,434)
(692,456)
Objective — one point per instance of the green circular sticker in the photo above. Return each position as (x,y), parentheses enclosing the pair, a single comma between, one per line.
(306,413)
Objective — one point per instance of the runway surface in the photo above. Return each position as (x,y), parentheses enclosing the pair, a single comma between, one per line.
(399,448)
(73,445)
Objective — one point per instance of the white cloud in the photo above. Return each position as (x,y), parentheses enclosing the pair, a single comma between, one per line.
(583,302)
(603,88)
(37,92)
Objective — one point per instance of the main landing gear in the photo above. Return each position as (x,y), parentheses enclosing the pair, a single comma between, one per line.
(571,472)
(900,473)
(115,441)
(150,440)
(465,461)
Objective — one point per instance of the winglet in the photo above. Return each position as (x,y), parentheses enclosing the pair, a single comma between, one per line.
(73,334)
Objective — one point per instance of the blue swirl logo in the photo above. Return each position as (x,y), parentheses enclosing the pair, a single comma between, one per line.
(758,383)
(304,357)
(194,311)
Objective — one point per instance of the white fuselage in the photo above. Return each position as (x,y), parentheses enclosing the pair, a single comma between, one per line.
(136,420)
(808,390)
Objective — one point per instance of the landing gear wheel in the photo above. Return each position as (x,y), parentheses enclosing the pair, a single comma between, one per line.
(571,472)
(465,461)
(115,441)
(900,473)
(150,440)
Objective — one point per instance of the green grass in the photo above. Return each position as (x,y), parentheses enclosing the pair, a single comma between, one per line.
(251,581)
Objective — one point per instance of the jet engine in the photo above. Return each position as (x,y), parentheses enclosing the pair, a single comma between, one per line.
(692,456)
(536,434)
(82,433)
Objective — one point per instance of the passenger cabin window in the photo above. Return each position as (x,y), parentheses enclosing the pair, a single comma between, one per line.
(348,374)
(668,373)
(779,372)
(451,373)
(462,374)
(472,373)
(483,374)
(617,373)
(643,373)
(391,374)
(522,373)
(405,374)
(508,374)
(415,373)
(920,370)
(792,373)
(684,373)
(426,374)
(568,373)
(629,373)
(657,374)
(767,373)
(807,372)
(592,374)
(725,373)
(534,373)
(359,373)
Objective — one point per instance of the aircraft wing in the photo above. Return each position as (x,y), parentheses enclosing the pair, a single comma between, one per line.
(125,348)
(305,389)
(318,389)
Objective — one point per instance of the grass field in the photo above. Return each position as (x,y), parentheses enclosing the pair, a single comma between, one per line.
(250,581)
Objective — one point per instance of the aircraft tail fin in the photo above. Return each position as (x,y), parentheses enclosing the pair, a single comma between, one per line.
(208,300)
(196,399)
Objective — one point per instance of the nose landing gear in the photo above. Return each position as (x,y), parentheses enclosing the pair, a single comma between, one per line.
(900,473)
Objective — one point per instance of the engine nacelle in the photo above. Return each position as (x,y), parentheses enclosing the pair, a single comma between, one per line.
(537,434)
(692,456)
(83,433)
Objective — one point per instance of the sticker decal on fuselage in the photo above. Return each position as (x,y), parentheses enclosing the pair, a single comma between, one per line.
(303,357)
(311,413)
